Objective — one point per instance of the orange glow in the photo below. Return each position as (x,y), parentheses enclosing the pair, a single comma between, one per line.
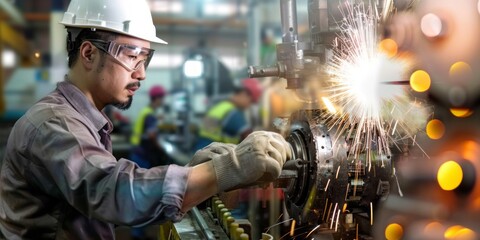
(461,112)
(461,71)
(450,175)
(394,231)
(470,150)
(420,81)
(389,47)
(344,207)
(435,129)
(432,227)
(476,203)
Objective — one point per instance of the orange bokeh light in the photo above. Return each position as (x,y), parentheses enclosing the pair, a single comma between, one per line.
(461,71)
(394,231)
(389,47)
(420,81)
(461,112)
(433,227)
(450,175)
(435,129)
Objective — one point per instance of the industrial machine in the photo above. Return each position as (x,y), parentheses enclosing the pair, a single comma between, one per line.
(326,187)
(333,185)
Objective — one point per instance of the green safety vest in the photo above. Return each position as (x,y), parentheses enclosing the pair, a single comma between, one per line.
(137,133)
(212,123)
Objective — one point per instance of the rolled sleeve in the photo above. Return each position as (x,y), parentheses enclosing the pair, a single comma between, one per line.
(174,186)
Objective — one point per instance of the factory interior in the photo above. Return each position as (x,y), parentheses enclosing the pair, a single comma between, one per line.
(377,99)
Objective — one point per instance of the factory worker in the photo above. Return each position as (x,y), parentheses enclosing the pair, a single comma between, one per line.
(59,179)
(146,151)
(226,121)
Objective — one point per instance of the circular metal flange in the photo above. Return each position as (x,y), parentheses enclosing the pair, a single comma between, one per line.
(329,179)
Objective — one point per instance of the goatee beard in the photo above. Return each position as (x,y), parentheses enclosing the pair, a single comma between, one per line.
(124,105)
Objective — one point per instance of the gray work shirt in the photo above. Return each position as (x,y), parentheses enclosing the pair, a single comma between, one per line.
(59,179)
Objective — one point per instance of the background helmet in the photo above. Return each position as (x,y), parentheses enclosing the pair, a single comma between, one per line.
(128,17)
(157,91)
(253,87)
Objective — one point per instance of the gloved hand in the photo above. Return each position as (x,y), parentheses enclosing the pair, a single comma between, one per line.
(209,152)
(260,156)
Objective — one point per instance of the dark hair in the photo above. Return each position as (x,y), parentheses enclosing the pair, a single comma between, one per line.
(73,45)
(153,98)
(239,90)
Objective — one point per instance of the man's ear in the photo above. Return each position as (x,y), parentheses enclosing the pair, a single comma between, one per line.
(87,54)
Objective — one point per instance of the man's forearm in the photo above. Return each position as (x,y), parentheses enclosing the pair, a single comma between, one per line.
(201,184)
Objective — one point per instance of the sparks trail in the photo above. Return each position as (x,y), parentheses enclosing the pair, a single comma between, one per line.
(402,82)
(366,86)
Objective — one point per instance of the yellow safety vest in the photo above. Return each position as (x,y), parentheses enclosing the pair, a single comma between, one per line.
(137,133)
(212,123)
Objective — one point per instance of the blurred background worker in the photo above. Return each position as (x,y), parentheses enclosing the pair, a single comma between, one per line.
(146,151)
(226,121)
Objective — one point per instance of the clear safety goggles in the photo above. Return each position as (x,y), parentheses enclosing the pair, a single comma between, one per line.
(129,56)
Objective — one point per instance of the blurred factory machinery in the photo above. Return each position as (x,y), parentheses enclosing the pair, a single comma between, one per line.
(203,80)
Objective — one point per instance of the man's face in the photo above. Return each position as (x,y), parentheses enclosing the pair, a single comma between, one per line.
(115,85)
(158,102)
(244,100)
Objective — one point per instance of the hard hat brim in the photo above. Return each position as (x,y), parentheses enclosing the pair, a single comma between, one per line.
(153,39)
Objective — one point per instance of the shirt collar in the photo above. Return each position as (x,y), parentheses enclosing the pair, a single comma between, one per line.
(80,102)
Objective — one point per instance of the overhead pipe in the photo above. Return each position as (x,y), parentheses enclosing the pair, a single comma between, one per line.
(288,10)
(13,13)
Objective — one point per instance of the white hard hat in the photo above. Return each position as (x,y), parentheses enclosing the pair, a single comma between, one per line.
(129,17)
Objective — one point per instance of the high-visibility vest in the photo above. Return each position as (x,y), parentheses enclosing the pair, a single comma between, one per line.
(212,123)
(137,133)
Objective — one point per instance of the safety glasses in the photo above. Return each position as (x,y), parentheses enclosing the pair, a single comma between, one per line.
(129,56)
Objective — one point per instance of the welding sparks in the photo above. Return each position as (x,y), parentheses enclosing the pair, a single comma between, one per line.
(333,215)
(338,216)
(329,105)
(292,228)
(371,213)
(288,220)
(328,183)
(313,230)
(367,86)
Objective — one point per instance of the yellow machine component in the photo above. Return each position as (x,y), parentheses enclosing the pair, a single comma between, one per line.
(13,39)
(2,83)
(213,222)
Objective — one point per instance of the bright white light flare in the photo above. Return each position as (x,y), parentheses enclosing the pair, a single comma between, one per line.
(368,86)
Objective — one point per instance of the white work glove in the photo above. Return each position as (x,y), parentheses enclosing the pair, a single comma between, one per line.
(209,152)
(259,157)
